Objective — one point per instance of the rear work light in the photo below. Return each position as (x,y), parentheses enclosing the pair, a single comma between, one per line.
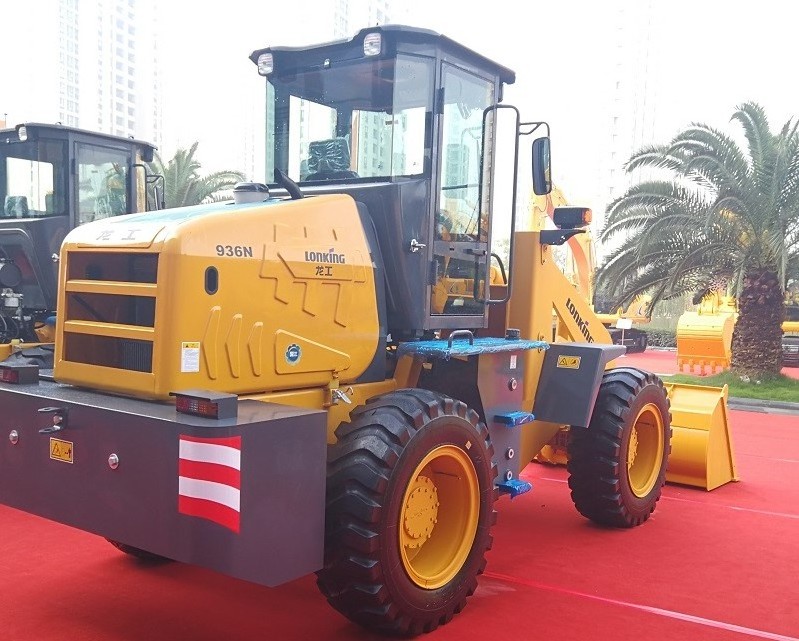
(206,404)
(19,374)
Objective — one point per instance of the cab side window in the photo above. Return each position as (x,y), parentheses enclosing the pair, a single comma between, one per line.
(465,98)
(461,223)
(102,183)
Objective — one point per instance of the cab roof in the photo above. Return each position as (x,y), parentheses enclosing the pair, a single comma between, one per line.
(36,130)
(396,38)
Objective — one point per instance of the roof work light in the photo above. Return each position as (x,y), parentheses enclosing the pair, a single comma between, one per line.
(266,64)
(372,44)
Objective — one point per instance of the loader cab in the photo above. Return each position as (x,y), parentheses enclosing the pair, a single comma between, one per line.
(394,117)
(52,179)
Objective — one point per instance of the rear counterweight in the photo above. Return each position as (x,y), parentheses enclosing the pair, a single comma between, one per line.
(242,496)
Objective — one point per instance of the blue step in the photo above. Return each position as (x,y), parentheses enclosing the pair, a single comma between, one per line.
(512,419)
(514,487)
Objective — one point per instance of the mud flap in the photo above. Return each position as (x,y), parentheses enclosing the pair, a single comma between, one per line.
(701,443)
(569,381)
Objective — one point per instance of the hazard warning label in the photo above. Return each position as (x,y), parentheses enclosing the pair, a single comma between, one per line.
(61,450)
(569,362)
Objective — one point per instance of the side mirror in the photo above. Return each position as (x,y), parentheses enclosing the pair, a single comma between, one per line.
(542,170)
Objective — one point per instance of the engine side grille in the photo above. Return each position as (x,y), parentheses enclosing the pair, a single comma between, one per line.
(120,353)
(109,310)
(104,266)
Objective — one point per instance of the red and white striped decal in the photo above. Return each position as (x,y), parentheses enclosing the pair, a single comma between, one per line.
(209,479)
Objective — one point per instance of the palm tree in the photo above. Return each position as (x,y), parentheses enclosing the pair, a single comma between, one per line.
(183,184)
(716,214)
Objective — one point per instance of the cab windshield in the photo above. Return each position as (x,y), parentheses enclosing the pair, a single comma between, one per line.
(359,120)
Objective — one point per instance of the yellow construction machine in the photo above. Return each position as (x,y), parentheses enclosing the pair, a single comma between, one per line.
(52,179)
(322,379)
(580,266)
(790,328)
(704,336)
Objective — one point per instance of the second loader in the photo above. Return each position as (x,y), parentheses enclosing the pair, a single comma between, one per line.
(52,179)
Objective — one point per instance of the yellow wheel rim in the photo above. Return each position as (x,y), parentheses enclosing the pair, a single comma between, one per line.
(438,517)
(645,450)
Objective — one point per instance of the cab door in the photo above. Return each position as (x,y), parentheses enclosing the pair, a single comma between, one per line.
(461,230)
(103,182)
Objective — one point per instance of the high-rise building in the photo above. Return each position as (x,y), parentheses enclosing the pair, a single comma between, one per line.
(93,65)
(633,114)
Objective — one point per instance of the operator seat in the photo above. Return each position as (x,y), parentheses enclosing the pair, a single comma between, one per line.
(16,207)
(329,160)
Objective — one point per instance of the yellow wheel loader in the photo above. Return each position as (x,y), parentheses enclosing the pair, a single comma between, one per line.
(52,179)
(319,377)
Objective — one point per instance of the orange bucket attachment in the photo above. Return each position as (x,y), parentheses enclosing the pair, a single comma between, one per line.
(704,341)
(701,442)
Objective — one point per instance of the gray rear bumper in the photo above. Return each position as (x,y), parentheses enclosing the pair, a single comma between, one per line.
(262,522)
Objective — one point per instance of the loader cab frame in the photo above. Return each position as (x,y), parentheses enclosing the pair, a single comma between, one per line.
(397,118)
(52,170)
(52,179)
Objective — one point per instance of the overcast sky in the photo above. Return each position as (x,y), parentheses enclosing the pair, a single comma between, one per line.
(705,57)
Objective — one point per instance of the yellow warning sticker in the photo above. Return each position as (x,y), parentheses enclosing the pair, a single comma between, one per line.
(190,356)
(569,362)
(61,450)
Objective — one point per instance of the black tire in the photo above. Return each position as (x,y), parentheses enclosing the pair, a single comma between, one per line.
(642,343)
(142,555)
(617,466)
(376,473)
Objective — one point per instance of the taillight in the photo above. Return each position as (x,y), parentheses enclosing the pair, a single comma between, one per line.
(19,374)
(206,404)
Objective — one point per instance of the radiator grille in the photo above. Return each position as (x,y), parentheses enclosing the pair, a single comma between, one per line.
(111,308)
(104,266)
(107,351)
(109,311)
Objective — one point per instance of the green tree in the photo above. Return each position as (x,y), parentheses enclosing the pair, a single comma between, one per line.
(715,214)
(183,185)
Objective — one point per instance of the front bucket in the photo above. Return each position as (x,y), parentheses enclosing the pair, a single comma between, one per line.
(554,452)
(701,443)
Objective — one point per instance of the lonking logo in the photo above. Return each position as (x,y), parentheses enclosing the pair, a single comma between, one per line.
(582,324)
(329,256)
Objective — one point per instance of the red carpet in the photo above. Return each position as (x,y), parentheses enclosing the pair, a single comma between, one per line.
(665,362)
(708,566)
